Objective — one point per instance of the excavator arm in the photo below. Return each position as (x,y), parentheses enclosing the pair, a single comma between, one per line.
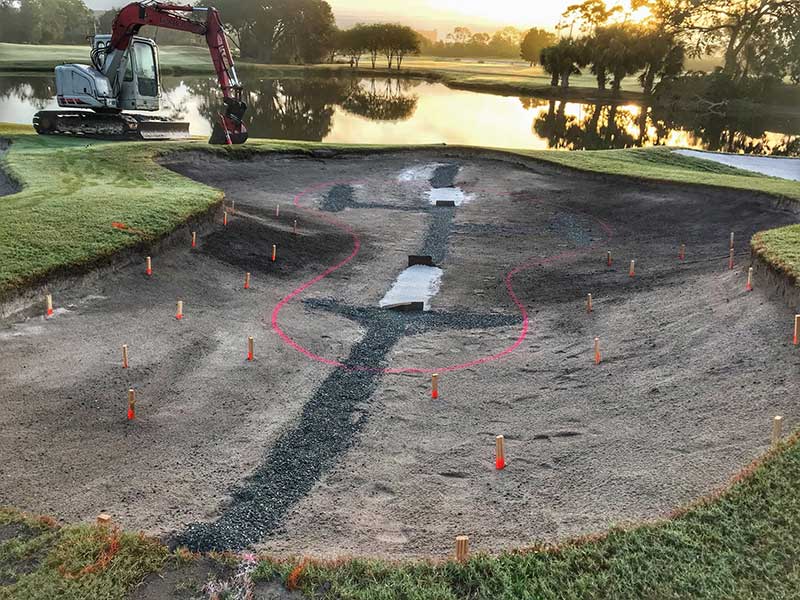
(228,128)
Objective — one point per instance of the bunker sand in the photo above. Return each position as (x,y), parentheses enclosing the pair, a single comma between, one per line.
(693,366)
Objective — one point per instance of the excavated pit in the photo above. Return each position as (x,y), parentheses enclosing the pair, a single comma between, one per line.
(329,443)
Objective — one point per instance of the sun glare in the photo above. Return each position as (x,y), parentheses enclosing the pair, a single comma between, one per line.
(521,13)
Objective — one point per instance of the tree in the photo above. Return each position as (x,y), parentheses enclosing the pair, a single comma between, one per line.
(505,41)
(534,41)
(352,43)
(460,35)
(621,55)
(563,60)
(406,41)
(591,14)
(287,31)
(661,54)
(727,25)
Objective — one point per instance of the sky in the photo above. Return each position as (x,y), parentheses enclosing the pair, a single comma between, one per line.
(480,15)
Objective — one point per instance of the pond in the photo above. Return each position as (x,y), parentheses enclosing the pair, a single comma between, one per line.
(405,111)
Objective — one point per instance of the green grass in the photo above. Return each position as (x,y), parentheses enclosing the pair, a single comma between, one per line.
(32,58)
(78,562)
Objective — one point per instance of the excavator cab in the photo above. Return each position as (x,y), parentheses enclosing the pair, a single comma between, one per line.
(141,85)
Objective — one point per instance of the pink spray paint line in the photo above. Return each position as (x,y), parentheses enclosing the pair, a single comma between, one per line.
(357,247)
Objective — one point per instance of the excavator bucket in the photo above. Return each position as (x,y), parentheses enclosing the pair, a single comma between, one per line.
(229,128)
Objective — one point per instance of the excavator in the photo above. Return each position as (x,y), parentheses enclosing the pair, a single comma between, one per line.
(124,76)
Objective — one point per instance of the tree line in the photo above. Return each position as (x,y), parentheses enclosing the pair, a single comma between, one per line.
(758,39)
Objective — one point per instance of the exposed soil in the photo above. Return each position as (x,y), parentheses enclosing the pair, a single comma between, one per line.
(329,443)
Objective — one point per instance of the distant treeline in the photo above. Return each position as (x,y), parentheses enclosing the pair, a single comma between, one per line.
(760,43)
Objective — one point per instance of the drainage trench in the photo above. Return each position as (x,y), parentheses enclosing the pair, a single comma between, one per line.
(338,409)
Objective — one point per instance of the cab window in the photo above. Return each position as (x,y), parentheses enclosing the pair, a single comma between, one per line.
(144,64)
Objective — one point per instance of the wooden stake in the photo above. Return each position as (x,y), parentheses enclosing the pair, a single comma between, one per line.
(247,281)
(103,520)
(131,404)
(124,356)
(731,241)
(294,228)
(749,286)
(682,253)
(233,206)
(49,300)
(462,547)
(274,252)
(499,453)
(149,266)
(632,270)
(250,348)
(277,210)
(194,239)
(597,350)
(777,429)
(435,386)
(179,313)
(730,261)
(589,303)
(796,328)
(225,218)
(608,258)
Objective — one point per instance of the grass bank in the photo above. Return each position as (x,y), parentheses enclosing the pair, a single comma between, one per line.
(740,543)
(74,190)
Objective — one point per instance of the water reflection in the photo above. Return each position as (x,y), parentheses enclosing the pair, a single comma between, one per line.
(359,110)
(571,126)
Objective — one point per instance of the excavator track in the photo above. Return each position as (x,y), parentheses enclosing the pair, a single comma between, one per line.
(119,126)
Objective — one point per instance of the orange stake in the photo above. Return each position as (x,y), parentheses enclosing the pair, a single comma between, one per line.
(49,299)
(124,356)
(247,281)
(149,266)
(277,210)
(749,286)
(796,328)
(632,271)
(435,386)
(608,258)
(194,239)
(589,303)
(225,218)
(500,453)
(131,404)
(682,253)
(250,348)
(597,350)
(179,313)
(274,252)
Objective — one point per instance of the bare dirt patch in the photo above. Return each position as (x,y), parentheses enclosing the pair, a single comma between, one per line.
(328,443)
